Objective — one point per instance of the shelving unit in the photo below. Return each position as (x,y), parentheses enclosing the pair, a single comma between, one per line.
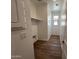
(35,19)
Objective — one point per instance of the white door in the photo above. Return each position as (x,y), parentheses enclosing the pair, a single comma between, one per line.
(21,40)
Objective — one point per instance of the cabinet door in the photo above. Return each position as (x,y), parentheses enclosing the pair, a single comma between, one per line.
(22,43)
(18,13)
(13,11)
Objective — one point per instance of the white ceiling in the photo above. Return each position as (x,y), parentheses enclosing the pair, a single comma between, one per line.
(52,4)
(40,1)
(53,7)
(46,1)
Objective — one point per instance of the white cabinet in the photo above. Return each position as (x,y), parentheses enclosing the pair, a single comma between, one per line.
(18,13)
(13,11)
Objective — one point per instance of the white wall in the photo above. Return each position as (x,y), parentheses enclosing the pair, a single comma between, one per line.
(49,22)
(63,35)
(34,27)
(35,32)
(33,14)
(33,9)
(44,15)
(42,26)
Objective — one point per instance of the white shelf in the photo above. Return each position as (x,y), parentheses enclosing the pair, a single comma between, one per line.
(35,19)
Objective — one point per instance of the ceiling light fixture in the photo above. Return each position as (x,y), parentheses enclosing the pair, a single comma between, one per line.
(56,4)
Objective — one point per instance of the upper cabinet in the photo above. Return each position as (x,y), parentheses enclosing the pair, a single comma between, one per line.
(13,11)
(18,14)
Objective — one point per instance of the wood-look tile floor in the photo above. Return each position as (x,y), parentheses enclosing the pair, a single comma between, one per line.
(50,49)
